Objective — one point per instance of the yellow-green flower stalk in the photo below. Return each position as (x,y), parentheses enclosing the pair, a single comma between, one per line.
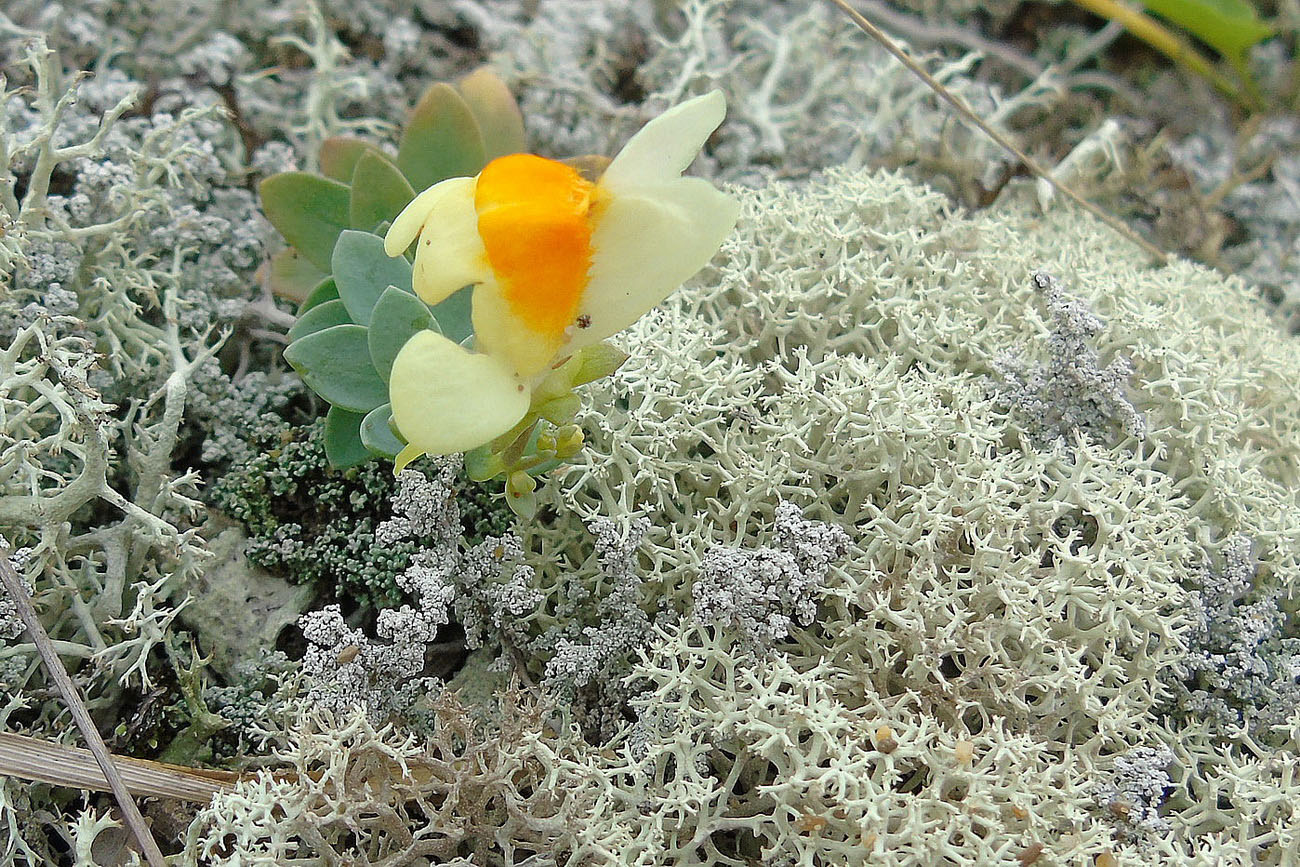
(558,263)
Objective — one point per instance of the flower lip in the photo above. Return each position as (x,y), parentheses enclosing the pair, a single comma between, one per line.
(534,219)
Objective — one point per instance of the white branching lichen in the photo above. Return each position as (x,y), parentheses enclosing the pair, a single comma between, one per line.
(963,629)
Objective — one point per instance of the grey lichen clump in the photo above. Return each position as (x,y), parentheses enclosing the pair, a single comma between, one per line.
(1007,610)
(757,595)
(1071,393)
(1242,668)
(1136,790)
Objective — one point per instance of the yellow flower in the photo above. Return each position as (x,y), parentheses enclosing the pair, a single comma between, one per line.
(558,263)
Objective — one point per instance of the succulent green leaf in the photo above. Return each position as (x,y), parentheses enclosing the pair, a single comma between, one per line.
(318,318)
(339,155)
(324,291)
(454,315)
(335,363)
(497,113)
(292,276)
(377,432)
(343,445)
(362,271)
(397,316)
(1230,27)
(441,139)
(379,192)
(309,211)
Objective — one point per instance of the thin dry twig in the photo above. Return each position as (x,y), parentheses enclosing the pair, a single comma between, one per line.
(923,33)
(18,593)
(61,765)
(970,116)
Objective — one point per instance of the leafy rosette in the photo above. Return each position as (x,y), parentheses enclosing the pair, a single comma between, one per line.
(357,306)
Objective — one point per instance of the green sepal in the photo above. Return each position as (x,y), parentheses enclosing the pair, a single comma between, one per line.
(379,192)
(309,211)
(325,291)
(398,316)
(335,363)
(597,361)
(561,410)
(339,154)
(455,315)
(524,504)
(496,111)
(377,432)
(544,467)
(482,464)
(292,276)
(343,445)
(318,318)
(441,139)
(362,271)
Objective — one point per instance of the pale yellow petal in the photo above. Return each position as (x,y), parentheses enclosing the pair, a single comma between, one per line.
(449,253)
(665,146)
(408,223)
(446,399)
(503,333)
(645,246)
(405,456)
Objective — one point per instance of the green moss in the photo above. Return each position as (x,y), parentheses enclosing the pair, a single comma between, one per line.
(315,524)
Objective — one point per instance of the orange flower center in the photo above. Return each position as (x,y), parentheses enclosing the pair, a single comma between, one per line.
(533,217)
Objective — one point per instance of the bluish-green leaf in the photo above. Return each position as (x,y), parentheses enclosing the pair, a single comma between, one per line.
(318,318)
(343,445)
(324,291)
(362,271)
(495,109)
(396,317)
(379,192)
(339,155)
(377,432)
(309,211)
(441,139)
(454,315)
(335,363)
(292,276)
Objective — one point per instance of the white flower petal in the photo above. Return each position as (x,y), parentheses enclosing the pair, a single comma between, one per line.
(446,399)
(450,253)
(665,146)
(645,246)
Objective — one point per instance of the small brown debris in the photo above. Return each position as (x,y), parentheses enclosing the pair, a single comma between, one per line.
(1029,854)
